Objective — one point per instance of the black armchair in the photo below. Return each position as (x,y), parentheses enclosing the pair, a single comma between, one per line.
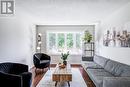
(14,75)
(41,60)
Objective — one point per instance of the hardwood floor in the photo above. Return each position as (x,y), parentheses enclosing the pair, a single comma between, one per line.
(40,74)
(86,77)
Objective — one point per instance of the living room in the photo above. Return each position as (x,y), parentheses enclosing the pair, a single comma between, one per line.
(19,31)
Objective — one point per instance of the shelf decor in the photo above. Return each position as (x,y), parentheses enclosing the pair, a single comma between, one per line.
(87,36)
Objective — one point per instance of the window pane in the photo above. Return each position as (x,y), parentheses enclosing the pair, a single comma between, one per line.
(61,40)
(78,41)
(52,40)
(69,40)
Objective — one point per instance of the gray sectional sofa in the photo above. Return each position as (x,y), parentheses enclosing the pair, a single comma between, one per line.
(107,73)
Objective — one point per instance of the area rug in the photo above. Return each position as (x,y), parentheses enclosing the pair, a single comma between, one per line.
(77,80)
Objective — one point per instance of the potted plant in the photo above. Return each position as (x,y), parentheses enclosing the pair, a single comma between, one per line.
(64,57)
(87,36)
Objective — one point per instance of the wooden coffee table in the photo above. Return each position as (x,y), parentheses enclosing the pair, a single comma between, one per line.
(62,74)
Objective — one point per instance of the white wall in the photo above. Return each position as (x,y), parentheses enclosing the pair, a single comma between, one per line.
(75,59)
(16,38)
(119,19)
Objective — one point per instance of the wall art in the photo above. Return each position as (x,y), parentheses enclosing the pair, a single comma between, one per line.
(117,38)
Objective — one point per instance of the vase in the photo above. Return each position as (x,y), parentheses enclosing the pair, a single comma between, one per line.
(89,41)
(65,62)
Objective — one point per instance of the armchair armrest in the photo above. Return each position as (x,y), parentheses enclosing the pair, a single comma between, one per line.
(36,60)
(26,79)
(116,82)
(8,80)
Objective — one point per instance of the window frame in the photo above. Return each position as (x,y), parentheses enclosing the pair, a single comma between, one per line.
(65,34)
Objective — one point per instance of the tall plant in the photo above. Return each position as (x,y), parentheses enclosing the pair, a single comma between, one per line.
(87,36)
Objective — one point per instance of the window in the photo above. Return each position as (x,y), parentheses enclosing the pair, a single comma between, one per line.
(70,41)
(58,42)
(78,40)
(52,40)
(61,40)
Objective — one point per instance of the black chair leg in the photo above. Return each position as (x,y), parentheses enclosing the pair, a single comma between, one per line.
(49,67)
(43,70)
(35,71)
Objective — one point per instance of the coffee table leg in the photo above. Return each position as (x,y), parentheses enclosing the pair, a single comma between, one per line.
(56,83)
(68,84)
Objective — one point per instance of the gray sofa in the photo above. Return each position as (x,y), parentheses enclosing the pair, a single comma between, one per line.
(107,73)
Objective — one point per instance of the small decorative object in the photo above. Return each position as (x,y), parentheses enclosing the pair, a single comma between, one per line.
(61,66)
(87,36)
(39,42)
(64,57)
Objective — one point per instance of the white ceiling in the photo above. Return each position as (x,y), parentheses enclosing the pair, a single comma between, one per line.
(76,10)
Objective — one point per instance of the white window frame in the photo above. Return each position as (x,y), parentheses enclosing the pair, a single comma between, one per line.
(65,33)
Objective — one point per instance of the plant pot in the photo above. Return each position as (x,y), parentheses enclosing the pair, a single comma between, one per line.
(65,62)
(88,41)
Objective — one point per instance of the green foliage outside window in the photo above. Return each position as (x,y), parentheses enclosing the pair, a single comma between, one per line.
(69,40)
(61,40)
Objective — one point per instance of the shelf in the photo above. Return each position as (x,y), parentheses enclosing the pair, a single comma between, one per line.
(88,50)
(87,58)
(88,43)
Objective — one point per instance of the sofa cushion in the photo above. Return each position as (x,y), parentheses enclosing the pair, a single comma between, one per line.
(116,82)
(121,69)
(111,66)
(100,60)
(117,68)
(97,76)
(92,65)
(126,71)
